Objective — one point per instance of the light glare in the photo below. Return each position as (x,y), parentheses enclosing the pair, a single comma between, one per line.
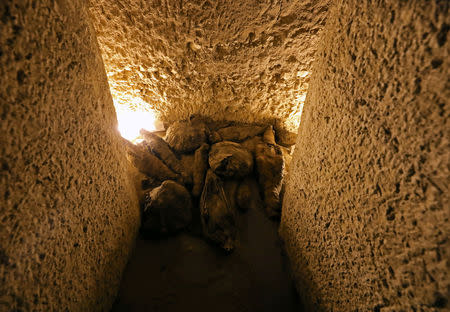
(131,119)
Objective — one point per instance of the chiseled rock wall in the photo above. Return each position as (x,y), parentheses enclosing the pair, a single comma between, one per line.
(68,217)
(366,211)
(245,60)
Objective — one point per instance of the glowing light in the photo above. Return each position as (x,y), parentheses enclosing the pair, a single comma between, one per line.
(132,121)
(133,117)
(294,119)
(302,73)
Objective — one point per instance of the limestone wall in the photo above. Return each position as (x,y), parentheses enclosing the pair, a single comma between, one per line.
(366,212)
(240,60)
(67,214)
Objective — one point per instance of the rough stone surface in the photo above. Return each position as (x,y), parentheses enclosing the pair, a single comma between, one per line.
(366,210)
(246,60)
(167,209)
(68,217)
(230,160)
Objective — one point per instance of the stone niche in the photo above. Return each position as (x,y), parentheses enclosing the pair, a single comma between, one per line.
(204,171)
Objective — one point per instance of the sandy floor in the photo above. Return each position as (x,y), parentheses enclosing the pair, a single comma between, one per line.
(184,273)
